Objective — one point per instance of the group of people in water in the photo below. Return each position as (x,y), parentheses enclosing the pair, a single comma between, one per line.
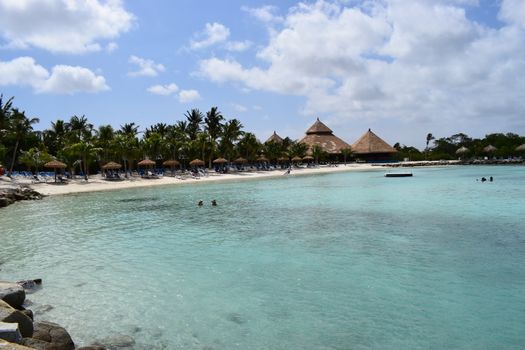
(213,203)
(483,179)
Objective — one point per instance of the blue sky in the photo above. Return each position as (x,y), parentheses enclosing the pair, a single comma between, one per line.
(401,67)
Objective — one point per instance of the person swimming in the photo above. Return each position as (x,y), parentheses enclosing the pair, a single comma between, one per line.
(214,203)
(201,203)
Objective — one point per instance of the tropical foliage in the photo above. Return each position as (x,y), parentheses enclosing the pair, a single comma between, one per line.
(207,136)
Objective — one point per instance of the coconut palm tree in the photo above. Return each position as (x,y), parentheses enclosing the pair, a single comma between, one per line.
(194,118)
(79,129)
(55,137)
(5,112)
(86,150)
(213,126)
(248,146)
(104,137)
(346,152)
(231,133)
(19,127)
(129,129)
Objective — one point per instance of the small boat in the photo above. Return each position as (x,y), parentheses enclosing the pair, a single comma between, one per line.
(398,174)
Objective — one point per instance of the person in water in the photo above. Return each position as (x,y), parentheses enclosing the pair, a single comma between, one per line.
(491,179)
(483,179)
(201,203)
(214,203)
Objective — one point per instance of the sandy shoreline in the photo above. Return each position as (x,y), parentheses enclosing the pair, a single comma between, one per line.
(97,183)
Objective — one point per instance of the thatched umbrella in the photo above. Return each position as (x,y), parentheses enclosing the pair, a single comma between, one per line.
(172,163)
(111,166)
(520,148)
(262,159)
(489,149)
(282,159)
(297,159)
(308,158)
(197,162)
(240,160)
(462,150)
(220,161)
(55,164)
(146,162)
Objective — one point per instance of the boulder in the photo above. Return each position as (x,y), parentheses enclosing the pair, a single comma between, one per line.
(11,315)
(10,332)
(92,347)
(4,345)
(54,334)
(12,293)
(4,202)
(37,344)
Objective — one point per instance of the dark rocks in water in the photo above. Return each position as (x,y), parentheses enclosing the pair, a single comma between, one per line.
(11,315)
(28,313)
(12,293)
(117,342)
(10,195)
(92,347)
(31,285)
(52,333)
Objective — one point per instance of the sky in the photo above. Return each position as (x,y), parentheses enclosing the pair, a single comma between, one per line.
(403,68)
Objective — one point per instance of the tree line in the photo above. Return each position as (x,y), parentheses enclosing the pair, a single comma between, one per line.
(445,148)
(83,147)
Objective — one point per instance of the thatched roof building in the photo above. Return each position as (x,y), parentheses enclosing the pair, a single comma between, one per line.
(320,134)
(372,147)
(275,138)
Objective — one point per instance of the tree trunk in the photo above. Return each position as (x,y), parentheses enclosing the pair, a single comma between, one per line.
(14,158)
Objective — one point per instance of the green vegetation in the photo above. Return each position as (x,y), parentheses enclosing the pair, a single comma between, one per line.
(84,149)
(205,136)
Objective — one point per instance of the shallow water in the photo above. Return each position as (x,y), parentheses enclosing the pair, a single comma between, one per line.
(337,261)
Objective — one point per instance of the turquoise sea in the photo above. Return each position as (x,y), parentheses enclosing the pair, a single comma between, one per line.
(338,261)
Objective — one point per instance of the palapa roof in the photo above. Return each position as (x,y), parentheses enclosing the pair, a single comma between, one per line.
(55,164)
(321,135)
(462,150)
(275,138)
(489,149)
(520,148)
(370,143)
(111,165)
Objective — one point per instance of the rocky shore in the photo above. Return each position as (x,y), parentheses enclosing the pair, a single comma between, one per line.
(20,331)
(14,193)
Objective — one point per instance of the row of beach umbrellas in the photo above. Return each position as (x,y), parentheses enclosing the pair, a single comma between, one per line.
(489,149)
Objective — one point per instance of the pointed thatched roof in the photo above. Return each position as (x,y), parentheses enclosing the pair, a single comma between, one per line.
(520,148)
(489,149)
(321,135)
(462,150)
(275,138)
(371,143)
(318,128)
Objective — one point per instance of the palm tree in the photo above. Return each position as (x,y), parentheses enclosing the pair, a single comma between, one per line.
(194,118)
(129,129)
(248,146)
(86,151)
(126,147)
(298,149)
(20,127)
(5,112)
(34,158)
(55,138)
(213,122)
(79,129)
(430,137)
(231,132)
(105,136)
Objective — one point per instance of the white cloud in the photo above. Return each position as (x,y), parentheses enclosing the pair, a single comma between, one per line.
(112,46)
(24,71)
(62,25)
(212,34)
(147,68)
(70,80)
(400,61)
(266,14)
(238,46)
(186,96)
(164,90)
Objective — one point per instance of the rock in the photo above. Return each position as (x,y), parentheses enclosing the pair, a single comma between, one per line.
(28,313)
(117,342)
(37,344)
(30,284)
(4,202)
(11,315)
(92,347)
(10,332)
(4,345)
(12,293)
(54,334)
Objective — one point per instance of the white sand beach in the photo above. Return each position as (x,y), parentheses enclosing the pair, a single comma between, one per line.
(97,183)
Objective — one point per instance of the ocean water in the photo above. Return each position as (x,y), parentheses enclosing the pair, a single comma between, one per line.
(338,261)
